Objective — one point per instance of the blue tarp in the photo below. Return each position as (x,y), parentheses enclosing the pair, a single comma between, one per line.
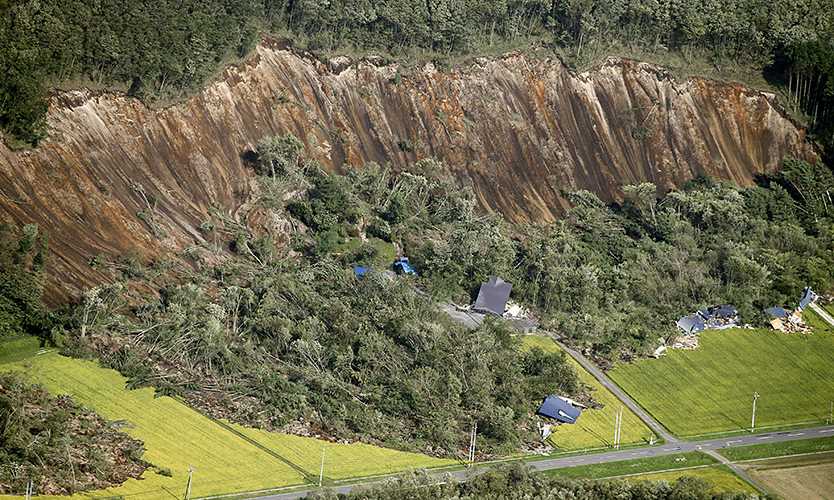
(360,271)
(402,266)
(556,408)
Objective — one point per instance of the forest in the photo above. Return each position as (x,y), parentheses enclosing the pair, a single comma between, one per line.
(164,49)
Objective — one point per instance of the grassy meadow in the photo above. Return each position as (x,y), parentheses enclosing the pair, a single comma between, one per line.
(595,427)
(710,389)
(177,437)
(635,466)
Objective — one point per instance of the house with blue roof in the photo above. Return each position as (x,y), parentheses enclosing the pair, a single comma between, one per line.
(558,408)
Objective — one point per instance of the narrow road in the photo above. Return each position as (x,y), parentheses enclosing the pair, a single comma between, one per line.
(632,405)
(822,313)
(708,446)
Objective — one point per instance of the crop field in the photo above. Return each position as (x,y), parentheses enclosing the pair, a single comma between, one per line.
(807,477)
(177,437)
(720,477)
(710,389)
(341,461)
(595,427)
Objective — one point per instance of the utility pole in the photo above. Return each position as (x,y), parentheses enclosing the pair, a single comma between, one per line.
(753,420)
(472,438)
(321,470)
(188,486)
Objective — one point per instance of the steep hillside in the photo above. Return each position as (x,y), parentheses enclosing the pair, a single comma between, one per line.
(117,177)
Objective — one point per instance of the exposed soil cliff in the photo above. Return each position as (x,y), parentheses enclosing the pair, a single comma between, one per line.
(116,176)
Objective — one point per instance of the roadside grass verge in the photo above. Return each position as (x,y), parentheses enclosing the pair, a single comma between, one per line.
(177,437)
(768,450)
(636,466)
(721,478)
(595,427)
(710,389)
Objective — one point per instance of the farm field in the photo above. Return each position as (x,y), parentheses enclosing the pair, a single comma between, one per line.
(177,437)
(341,461)
(720,477)
(809,477)
(595,428)
(710,389)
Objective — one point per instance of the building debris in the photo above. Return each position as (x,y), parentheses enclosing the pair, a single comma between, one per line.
(790,321)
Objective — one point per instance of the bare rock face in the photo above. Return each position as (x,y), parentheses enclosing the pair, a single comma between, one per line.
(117,177)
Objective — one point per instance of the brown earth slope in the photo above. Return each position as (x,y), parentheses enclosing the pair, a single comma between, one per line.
(521,129)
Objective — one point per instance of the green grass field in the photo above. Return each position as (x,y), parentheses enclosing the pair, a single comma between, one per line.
(766,450)
(595,428)
(722,479)
(177,437)
(636,466)
(710,389)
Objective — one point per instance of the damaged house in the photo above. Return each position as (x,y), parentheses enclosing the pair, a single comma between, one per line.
(790,321)
(712,318)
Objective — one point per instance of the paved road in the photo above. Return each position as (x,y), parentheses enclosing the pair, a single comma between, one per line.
(822,313)
(621,395)
(707,446)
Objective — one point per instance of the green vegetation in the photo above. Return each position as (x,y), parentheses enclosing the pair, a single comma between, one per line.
(18,348)
(165,48)
(767,450)
(22,259)
(278,337)
(719,478)
(517,482)
(60,446)
(710,389)
(284,336)
(636,466)
(341,461)
(176,437)
(594,428)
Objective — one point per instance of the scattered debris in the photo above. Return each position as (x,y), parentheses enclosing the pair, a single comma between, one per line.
(790,321)
(660,351)
(712,318)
